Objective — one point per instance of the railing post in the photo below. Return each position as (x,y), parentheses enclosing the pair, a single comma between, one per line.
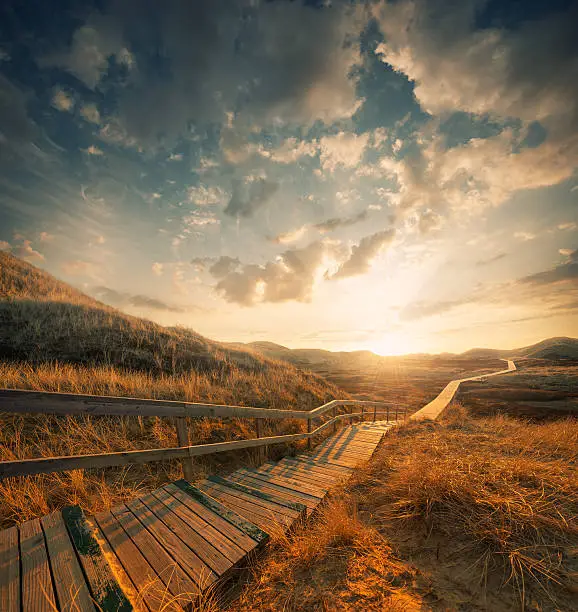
(396,414)
(260,455)
(308,431)
(374,412)
(334,415)
(362,413)
(183,440)
(388,414)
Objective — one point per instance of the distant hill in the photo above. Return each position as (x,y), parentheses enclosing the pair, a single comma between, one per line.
(552,349)
(44,320)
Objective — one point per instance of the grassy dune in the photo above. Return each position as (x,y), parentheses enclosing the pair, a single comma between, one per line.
(54,338)
(466,514)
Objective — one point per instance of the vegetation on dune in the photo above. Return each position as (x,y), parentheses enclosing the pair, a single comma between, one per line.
(54,338)
(472,514)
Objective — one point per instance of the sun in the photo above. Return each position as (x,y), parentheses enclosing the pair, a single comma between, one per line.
(393,343)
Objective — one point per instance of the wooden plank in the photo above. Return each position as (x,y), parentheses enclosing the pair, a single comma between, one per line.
(9,570)
(307,476)
(259,515)
(117,569)
(284,492)
(254,500)
(204,576)
(290,483)
(71,588)
(289,508)
(209,508)
(178,550)
(151,590)
(329,473)
(336,470)
(178,583)
(105,590)
(37,590)
(205,550)
(227,547)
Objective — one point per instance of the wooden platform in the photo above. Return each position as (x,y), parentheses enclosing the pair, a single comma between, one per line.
(162,550)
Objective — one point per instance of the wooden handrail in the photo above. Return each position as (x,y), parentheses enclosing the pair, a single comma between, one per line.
(28,467)
(49,402)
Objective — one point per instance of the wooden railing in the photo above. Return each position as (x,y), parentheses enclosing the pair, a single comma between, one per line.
(29,402)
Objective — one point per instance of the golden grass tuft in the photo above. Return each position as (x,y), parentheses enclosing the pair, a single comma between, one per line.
(335,562)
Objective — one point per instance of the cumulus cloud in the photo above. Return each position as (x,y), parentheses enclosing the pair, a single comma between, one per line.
(528,72)
(292,61)
(344,149)
(291,276)
(93,44)
(249,195)
(90,113)
(201,195)
(93,150)
(62,100)
(291,150)
(23,250)
(363,254)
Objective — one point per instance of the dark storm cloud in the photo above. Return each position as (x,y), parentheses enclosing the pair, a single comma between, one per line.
(249,197)
(193,61)
(364,253)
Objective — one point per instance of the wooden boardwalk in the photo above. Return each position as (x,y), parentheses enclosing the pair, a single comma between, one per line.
(164,549)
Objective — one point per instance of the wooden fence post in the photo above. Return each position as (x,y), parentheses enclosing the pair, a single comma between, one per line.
(396,414)
(334,415)
(374,413)
(388,414)
(362,413)
(308,431)
(183,440)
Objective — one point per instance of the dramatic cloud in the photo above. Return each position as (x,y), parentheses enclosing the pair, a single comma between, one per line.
(92,45)
(90,113)
(294,62)
(290,277)
(364,253)
(529,71)
(343,149)
(250,195)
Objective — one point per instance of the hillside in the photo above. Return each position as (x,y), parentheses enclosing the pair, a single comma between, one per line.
(55,338)
(552,349)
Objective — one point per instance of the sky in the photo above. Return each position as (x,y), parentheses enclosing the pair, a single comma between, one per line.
(395,176)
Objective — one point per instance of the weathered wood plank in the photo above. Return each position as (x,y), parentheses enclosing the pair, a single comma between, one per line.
(150,589)
(209,554)
(37,590)
(204,575)
(71,588)
(290,508)
(296,485)
(178,550)
(105,590)
(178,583)
(227,538)
(211,507)
(227,547)
(9,570)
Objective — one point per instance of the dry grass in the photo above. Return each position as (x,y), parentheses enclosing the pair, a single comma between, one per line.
(463,514)
(337,562)
(54,338)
